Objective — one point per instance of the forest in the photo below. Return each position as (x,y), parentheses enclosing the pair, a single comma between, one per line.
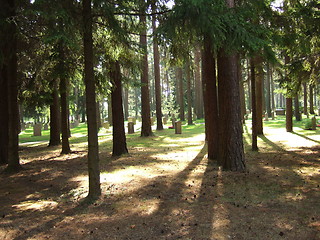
(160,119)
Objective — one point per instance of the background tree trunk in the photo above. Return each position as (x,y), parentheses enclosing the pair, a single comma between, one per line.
(55,116)
(156,61)
(198,85)
(305,99)
(189,96)
(93,146)
(254,145)
(259,94)
(64,115)
(210,98)
(181,93)
(289,114)
(311,98)
(231,153)
(145,99)
(297,108)
(268,95)
(119,136)
(126,103)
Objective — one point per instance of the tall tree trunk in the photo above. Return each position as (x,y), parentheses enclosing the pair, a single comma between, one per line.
(4,120)
(119,136)
(311,98)
(249,85)
(297,108)
(110,117)
(241,91)
(305,99)
(126,103)
(268,96)
(210,98)
(145,98)
(64,115)
(181,93)
(189,97)
(231,153)
(289,114)
(259,94)
(273,106)
(156,62)
(55,116)
(198,85)
(93,146)
(254,145)
(10,66)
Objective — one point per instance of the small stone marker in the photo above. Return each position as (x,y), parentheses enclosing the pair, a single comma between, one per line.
(177,127)
(130,127)
(37,129)
(280,112)
(314,123)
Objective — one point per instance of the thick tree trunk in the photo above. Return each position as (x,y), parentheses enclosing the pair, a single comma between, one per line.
(305,99)
(198,85)
(210,98)
(119,136)
(145,98)
(181,93)
(93,146)
(55,116)
(11,65)
(311,99)
(254,145)
(189,97)
(156,62)
(64,115)
(231,153)
(259,94)
(4,121)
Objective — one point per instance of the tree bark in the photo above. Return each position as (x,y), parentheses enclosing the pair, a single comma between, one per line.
(119,136)
(311,99)
(156,62)
(305,99)
(9,67)
(210,98)
(189,96)
(126,103)
(55,116)
(93,146)
(198,85)
(254,145)
(181,93)
(289,115)
(268,87)
(146,130)
(297,108)
(231,153)
(259,94)
(4,120)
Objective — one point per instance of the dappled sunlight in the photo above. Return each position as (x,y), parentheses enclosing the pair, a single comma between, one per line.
(35,205)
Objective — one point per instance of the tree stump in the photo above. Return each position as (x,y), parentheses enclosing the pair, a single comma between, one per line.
(177,127)
(130,127)
(37,129)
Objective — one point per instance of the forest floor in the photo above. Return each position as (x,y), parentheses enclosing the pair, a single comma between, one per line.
(166,189)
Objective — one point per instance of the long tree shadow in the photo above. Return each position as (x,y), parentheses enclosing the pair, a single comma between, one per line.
(305,137)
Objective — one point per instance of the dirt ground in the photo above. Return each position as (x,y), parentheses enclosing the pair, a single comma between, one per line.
(167,190)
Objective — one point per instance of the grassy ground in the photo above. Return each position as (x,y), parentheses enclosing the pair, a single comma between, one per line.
(166,189)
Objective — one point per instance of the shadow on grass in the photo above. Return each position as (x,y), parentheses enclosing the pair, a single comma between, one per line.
(305,137)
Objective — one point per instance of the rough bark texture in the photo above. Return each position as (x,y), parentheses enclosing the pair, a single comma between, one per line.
(189,96)
(210,98)
(198,86)
(289,114)
(231,153)
(254,145)
(259,94)
(181,93)
(64,115)
(55,116)
(4,133)
(156,61)
(145,98)
(119,136)
(93,146)
(10,77)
